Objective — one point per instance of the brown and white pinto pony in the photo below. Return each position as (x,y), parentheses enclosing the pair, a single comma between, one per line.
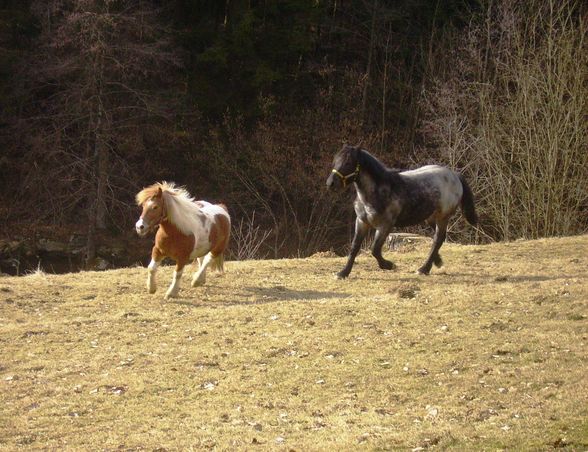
(188,230)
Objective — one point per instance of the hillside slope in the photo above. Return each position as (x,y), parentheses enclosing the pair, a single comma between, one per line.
(487,352)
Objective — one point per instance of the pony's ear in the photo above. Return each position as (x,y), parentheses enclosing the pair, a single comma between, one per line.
(159,193)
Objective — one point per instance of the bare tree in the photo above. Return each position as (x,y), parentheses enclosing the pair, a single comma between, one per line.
(94,83)
(368,69)
(510,108)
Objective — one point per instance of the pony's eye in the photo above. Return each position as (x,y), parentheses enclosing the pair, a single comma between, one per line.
(154,207)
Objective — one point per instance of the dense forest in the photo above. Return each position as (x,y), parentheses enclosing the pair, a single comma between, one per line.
(246,102)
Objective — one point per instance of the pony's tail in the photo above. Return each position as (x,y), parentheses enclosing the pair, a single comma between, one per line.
(467,202)
(218,263)
(224,223)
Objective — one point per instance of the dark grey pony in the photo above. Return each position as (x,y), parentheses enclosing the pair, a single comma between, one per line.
(387,198)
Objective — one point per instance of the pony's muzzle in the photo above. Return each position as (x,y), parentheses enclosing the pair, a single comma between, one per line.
(141,227)
(331,181)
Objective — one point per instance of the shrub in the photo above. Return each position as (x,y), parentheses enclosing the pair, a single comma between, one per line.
(509,108)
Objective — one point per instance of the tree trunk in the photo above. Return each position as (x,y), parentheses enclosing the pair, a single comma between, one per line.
(383,135)
(91,238)
(101,181)
(369,62)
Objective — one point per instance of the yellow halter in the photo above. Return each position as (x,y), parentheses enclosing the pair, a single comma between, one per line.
(344,178)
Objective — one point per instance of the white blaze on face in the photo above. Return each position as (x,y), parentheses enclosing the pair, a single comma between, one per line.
(141,227)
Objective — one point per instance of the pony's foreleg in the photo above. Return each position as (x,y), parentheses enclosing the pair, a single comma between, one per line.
(360,232)
(438,239)
(151,273)
(199,277)
(174,287)
(379,239)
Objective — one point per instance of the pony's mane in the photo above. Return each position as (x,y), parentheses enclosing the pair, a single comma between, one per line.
(181,208)
(373,166)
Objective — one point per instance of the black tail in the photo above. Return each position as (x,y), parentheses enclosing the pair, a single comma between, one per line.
(467,202)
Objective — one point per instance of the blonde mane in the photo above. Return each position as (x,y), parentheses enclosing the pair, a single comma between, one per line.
(181,208)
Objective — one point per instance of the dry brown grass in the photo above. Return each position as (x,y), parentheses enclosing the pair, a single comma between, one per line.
(487,353)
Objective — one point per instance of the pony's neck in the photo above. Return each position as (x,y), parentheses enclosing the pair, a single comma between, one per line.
(369,165)
(181,211)
(372,167)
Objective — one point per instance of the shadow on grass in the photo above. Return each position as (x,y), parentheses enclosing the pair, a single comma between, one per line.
(447,279)
(247,296)
(443,277)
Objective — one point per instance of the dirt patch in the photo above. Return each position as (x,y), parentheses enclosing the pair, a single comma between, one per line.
(407,291)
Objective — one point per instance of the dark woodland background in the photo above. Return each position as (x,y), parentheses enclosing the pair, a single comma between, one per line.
(246,102)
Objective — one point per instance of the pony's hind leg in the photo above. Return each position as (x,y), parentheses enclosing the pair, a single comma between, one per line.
(438,239)
(199,277)
(437,257)
(379,239)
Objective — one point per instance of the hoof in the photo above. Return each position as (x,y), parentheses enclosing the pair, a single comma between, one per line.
(169,295)
(152,290)
(438,261)
(197,282)
(387,265)
(341,275)
(423,271)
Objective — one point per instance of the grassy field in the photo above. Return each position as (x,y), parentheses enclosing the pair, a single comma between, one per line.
(488,352)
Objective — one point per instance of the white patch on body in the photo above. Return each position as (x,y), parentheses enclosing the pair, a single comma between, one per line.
(444,180)
(202,243)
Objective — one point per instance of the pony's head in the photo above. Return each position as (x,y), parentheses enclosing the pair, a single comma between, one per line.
(151,200)
(345,167)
